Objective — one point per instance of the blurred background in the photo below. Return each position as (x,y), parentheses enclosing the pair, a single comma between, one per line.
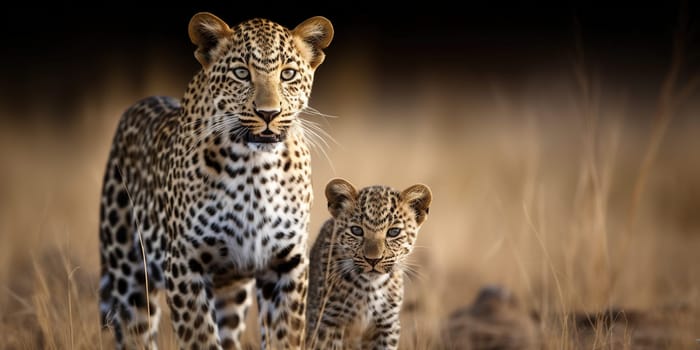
(560,141)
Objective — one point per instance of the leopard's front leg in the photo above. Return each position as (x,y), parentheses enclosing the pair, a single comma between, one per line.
(191,300)
(281,294)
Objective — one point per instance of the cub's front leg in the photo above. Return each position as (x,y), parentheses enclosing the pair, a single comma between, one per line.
(384,335)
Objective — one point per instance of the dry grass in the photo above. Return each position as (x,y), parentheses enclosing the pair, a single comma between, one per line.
(532,190)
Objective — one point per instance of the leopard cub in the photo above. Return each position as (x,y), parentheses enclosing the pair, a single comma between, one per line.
(356,273)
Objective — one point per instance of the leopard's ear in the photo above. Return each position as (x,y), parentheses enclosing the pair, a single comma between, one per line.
(311,37)
(341,196)
(206,31)
(418,197)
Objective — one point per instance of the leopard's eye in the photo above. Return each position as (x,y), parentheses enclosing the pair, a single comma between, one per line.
(357,231)
(241,73)
(288,74)
(393,232)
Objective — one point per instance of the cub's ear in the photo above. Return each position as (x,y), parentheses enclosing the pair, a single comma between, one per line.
(206,30)
(418,197)
(341,196)
(311,37)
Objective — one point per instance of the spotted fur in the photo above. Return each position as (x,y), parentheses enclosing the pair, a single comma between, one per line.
(356,275)
(209,198)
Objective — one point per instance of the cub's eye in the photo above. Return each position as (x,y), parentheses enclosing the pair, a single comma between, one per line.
(241,73)
(393,232)
(356,230)
(288,74)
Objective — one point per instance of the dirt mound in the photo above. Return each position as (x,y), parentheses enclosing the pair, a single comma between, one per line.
(496,320)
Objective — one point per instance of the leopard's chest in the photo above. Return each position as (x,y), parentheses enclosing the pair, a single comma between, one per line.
(247,208)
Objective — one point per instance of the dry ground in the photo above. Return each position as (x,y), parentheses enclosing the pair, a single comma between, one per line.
(539,189)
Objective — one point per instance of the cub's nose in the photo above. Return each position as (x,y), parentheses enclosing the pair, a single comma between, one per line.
(266,114)
(372,262)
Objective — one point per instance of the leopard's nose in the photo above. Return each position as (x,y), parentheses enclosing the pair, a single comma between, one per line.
(372,262)
(267,114)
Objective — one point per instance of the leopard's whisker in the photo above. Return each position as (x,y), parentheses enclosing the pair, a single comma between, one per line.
(410,270)
(315,135)
(213,129)
(315,112)
(316,131)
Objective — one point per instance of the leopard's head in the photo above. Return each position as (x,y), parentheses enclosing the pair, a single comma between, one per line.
(376,227)
(256,77)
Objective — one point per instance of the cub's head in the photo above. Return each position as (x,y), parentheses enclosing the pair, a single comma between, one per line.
(256,76)
(375,227)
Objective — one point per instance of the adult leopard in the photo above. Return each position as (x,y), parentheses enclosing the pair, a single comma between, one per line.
(209,197)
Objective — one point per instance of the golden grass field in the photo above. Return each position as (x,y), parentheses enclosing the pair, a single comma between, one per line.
(564,190)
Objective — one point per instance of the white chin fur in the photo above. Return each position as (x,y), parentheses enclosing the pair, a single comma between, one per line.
(265,147)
